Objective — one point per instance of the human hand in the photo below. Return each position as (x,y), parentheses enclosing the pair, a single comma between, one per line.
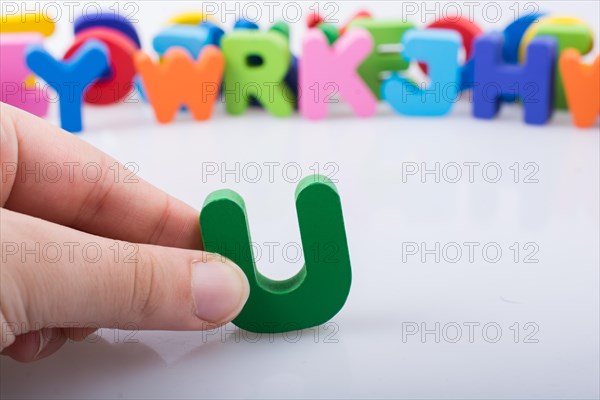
(80,254)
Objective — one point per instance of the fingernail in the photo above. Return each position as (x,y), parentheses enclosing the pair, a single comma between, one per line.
(220,290)
(44,340)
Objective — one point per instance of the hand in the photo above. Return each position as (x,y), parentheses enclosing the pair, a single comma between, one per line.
(78,255)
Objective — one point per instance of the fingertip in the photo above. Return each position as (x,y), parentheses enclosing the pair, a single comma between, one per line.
(219,289)
(36,345)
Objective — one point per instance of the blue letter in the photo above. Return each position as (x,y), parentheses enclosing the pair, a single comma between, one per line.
(70,77)
(438,48)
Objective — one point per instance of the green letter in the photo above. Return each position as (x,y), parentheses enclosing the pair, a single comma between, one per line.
(318,291)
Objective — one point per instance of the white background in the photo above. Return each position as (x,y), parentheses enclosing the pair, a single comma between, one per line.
(365,351)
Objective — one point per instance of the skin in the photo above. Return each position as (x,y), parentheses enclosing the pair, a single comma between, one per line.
(144,274)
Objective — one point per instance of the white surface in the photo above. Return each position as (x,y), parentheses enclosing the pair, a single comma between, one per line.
(362,353)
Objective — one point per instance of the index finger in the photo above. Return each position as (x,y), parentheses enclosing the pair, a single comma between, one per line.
(134,211)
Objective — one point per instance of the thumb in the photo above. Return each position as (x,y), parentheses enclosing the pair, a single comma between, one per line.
(54,276)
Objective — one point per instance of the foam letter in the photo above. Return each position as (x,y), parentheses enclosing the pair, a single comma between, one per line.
(117,80)
(14,74)
(193,38)
(27,22)
(70,78)
(569,33)
(383,33)
(256,64)
(438,48)
(513,35)
(179,80)
(312,296)
(326,70)
(532,81)
(468,31)
(582,87)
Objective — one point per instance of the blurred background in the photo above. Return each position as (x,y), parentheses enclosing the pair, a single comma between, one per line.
(474,243)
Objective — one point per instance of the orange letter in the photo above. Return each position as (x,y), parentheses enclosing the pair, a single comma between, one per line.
(179,80)
(582,87)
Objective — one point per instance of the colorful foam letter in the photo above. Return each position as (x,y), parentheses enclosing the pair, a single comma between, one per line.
(281,27)
(313,19)
(569,33)
(318,291)
(193,38)
(532,81)
(245,24)
(325,71)
(438,48)
(109,20)
(361,14)
(28,22)
(291,78)
(582,87)
(11,22)
(513,34)
(383,33)
(116,84)
(256,64)
(190,18)
(179,80)
(468,31)
(14,73)
(70,78)
(331,31)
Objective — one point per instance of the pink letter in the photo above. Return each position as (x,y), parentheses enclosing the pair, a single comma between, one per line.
(14,73)
(325,71)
